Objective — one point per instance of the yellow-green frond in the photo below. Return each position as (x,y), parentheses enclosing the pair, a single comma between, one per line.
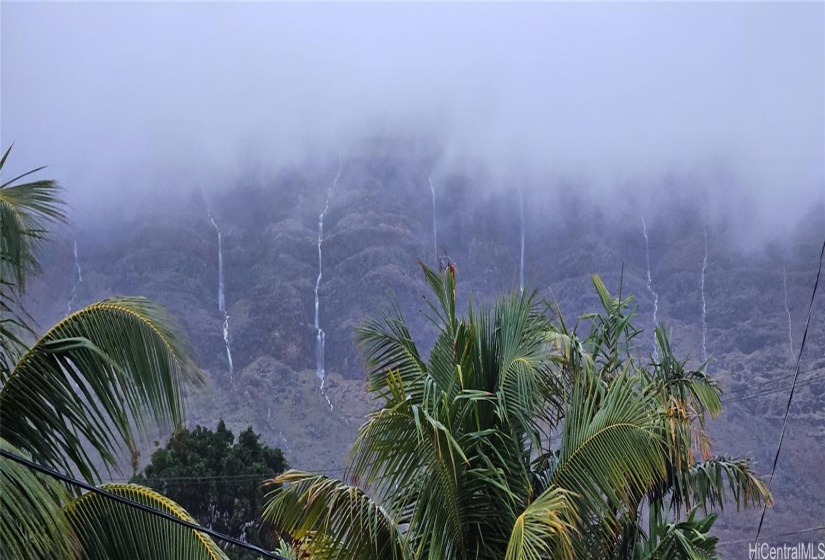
(31,523)
(110,530)
(544,529)
(91,378)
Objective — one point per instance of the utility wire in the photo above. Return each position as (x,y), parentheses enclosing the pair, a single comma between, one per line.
(772,386)
(129,503)
(793,386)
(207,478)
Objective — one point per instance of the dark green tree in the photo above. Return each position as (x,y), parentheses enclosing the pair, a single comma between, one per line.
(215,479)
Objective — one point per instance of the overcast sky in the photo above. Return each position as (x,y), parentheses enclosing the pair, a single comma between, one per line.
(106,94)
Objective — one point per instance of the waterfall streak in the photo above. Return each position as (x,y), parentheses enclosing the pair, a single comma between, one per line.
(650,289)
(221,293)
(77,281)
(704,303)
(320,336)
(788,311)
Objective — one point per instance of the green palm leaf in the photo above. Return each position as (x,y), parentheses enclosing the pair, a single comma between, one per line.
(111,530)
(388,346)
(683,540)
(92,378)
(544,529)
(333,520)
(529,393)
(25,211)
(31,523)
(407,447)
(611,449)
(705,484)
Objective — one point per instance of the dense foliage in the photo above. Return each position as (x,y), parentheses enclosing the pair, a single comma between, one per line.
(217,480)
(519,437)
(75,398)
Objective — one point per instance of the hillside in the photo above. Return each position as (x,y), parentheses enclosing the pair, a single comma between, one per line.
(379,224)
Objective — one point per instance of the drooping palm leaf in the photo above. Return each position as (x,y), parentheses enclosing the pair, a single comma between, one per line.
(611,449)
(710,483)
(544,529)
(409,447)
(31,523)
(25,211)
(15,328)
(90,378)
(333,520)
(108,530)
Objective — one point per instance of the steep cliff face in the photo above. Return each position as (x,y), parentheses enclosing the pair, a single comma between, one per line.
(379,224)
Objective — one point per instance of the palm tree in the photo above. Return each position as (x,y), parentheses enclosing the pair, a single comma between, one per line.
(517,438)
(75,398)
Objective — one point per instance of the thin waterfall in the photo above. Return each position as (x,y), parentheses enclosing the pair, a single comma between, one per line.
(221,298)
(78,279)
(221,293)
(320,337)
(704,303)
(650,289)
(788,311)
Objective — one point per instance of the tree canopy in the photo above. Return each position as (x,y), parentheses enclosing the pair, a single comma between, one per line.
(216,479)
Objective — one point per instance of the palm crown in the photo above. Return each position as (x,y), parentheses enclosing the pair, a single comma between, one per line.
(519,438)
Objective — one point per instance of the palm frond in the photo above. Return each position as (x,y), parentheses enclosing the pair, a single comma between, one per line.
(544,529)
(15,329)
(696,388)
(611,448)
(110,530)
(25,211)
(611,330)
(32,525)
(529,394)
(682,540)
(89,379)
(332,520)
(408,447)
(388,346)
(442,285)
(390,448)
(705,484)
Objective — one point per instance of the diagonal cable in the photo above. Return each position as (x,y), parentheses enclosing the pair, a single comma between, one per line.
(129,503)
(793,386)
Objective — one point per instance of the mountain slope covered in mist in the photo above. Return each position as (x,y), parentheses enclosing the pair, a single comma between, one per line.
(380,224)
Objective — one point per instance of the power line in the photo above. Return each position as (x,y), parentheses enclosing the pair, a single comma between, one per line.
(772,386)
(793,386)
(207,478)
(129,503)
